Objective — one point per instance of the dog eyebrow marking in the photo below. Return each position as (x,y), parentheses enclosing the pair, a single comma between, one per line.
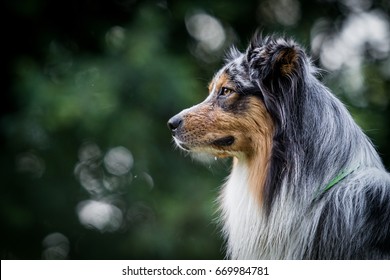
(221,80)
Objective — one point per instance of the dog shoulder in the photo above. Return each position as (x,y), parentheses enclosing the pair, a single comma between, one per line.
(355,219)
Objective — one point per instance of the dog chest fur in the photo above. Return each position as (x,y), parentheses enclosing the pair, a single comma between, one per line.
(249,233)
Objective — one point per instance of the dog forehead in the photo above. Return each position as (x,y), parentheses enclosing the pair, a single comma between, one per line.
(233,74)
(219,80)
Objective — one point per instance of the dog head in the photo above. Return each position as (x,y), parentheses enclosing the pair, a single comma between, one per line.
(239,115)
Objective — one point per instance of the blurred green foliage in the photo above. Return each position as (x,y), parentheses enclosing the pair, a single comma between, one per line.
(87,165)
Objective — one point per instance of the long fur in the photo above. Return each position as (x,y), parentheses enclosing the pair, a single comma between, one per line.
(312,139)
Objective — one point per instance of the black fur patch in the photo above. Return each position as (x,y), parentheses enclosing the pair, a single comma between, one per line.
(224,142)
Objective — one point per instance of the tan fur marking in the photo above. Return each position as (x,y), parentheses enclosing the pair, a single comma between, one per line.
(261,132)
(210,87)
(224,81)
(220,81)
(252,131)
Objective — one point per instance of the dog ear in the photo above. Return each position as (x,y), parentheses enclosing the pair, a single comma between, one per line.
(273,60)
(277,67)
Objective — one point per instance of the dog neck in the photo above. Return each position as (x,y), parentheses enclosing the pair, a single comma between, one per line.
(252,166)
(241,202)
(257,166)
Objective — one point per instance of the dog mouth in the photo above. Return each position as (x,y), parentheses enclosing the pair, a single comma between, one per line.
(224,141)
(181,144)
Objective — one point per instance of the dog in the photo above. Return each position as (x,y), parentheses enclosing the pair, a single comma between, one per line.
(306,182)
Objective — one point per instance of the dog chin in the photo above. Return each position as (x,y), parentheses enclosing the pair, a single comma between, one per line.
(205,154)
(209,154)
(203,157)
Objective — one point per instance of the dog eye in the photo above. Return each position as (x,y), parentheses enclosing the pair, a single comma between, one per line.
(225,91)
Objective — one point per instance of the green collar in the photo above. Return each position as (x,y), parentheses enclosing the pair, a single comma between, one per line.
(335,181)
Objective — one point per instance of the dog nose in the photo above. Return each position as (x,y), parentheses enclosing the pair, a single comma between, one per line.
(174,123)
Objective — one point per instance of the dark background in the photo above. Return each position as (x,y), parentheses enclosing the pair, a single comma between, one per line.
(88,169)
